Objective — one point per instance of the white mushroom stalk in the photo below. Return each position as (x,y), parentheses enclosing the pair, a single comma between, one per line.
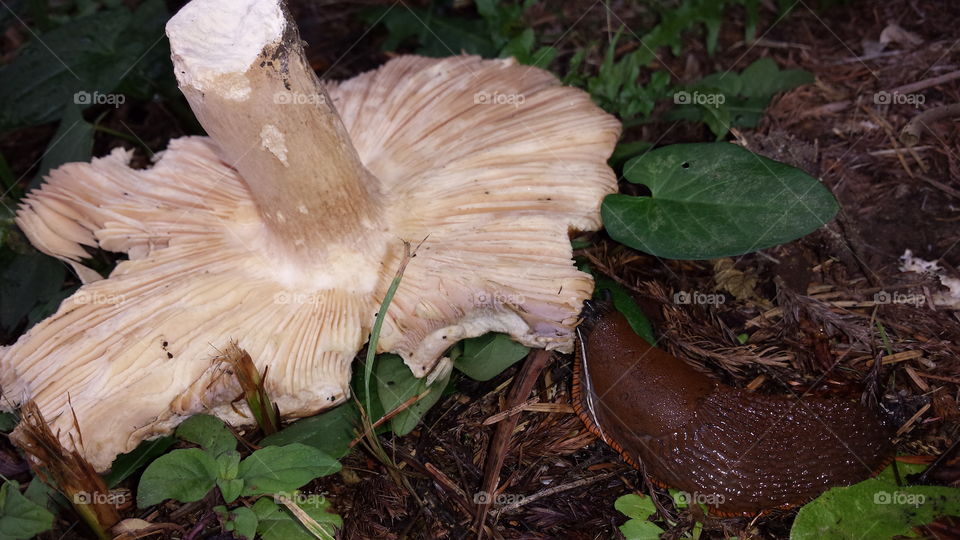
(284,228)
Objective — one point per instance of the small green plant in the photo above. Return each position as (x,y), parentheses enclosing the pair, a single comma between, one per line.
(639,509)
(499,32)
(725,100)
(23,515)
(189,474)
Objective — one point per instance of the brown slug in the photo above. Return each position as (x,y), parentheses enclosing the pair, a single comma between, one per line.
(739,452)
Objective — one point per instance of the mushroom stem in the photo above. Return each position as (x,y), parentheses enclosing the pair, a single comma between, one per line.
(241,65)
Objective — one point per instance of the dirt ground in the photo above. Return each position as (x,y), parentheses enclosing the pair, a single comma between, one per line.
(810,308)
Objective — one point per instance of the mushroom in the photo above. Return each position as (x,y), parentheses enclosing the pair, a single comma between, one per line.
(283,229)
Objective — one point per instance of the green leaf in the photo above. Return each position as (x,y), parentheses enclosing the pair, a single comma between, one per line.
(228,467)
(625,151)
(209,432)
(19,516)
(764,78)
(487,356)
(241,521)
(639,509)
(276,523)
(230,489)
(330,432)
(28,281)
(8,421)
(877,506)
(39,493)
(626,305)
(125,464)
(88,54)
(714,200)
(184,475)
(277,469)
(73,141)
(396,384)
(635,506)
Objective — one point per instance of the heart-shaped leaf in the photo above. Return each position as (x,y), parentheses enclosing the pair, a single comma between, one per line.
(711,200)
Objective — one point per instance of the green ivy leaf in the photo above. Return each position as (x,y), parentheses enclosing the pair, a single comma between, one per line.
(396,384)
(19,516)
(184,475)
(276,523)
(125,464)
(277,469)
(487,356)
(209,432)
(330,432)
(878,506)
(712,200)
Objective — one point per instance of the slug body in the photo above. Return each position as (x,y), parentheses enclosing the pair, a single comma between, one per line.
(739,452)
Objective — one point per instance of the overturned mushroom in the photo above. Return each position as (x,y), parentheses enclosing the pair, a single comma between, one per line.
(283,229)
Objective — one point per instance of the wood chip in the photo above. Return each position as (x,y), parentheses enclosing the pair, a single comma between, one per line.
(909,423)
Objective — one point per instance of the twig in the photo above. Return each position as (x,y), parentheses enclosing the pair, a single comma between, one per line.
(497,451)
(554,490)
(385,418)
(913,419)
(920,124)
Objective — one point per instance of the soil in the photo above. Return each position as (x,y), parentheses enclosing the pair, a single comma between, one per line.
(812,321)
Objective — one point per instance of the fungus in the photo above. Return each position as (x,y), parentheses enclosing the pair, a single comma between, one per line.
(283,229)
